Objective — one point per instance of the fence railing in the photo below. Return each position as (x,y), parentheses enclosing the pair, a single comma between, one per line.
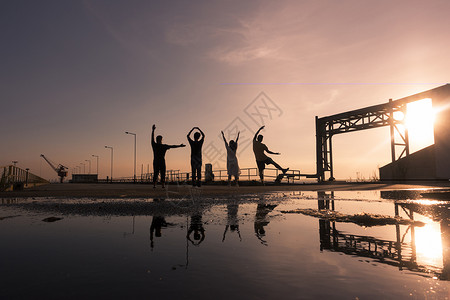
(247,174)
(14,177)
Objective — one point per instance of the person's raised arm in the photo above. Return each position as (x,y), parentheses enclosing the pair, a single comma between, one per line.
(201,132)
(224,139)
(237,138)
(256,134)
(189,134)
(153,134)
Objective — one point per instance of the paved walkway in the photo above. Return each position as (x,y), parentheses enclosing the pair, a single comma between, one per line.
(126,190)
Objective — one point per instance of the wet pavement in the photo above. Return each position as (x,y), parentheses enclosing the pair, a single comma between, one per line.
(256,246)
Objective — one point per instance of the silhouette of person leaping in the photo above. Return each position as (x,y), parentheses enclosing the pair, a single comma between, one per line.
(196,155)
(159,160)
(261,158)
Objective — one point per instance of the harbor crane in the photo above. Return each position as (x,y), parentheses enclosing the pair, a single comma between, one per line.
(60,169)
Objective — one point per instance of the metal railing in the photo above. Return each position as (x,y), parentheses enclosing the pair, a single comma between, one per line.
(250,174)
(14,177)
(247,174)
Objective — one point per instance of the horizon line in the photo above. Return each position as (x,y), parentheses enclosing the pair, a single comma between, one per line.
(332,83)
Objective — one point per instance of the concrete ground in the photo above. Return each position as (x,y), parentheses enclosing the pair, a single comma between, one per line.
(129,190)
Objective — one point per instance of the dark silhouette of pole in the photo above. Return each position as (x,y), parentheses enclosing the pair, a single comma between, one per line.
(134,176)
(112,150)
(97,161)
(88,160)
(26,178)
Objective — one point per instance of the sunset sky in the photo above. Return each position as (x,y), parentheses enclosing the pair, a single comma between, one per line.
(75,75)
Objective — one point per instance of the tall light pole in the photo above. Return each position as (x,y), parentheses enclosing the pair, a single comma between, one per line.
(127,132)
(88,160)
(112,153)
(84,168)
(97,161)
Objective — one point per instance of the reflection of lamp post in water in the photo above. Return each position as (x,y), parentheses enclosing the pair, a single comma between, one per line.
(88,160)
(129,233)
(97,161)
(127,132)
(112,153)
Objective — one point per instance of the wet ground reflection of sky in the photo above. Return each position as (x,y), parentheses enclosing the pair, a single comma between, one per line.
(239,249)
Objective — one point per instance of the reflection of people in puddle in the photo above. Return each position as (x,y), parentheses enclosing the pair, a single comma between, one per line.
(196,227)
(232,220)
(158,222)
(261,221)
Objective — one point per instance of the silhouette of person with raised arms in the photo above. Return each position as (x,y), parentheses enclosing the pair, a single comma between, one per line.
(232,161)
(232,220)
(261,158)
(196,227)
(196,155)
(159,160)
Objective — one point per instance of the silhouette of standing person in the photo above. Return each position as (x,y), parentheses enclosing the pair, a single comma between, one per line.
(232,161)
(261,158)
(196,155)
(159,160)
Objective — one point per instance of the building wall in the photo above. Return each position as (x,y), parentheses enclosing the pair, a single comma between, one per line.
(417,166)
(441,102)
(433,162)
(84,178)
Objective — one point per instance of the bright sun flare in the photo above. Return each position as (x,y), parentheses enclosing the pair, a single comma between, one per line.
(419,120)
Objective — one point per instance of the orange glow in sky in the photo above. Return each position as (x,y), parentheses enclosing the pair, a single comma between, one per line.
(76,75)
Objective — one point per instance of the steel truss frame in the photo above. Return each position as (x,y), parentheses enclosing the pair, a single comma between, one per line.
(366,118)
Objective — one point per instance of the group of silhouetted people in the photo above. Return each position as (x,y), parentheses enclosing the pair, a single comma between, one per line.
(160,149)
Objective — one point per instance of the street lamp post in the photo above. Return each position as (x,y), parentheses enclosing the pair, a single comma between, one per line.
(88,160)
(112,153)
(134,176)
(84,168)
(97,161)
(26,178)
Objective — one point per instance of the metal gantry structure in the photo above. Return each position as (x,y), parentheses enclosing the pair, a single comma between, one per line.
(361,119)
(367,118)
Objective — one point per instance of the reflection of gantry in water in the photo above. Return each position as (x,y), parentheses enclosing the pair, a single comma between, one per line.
(396,253)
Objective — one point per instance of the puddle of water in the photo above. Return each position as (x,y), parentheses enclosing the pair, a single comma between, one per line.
(245,248)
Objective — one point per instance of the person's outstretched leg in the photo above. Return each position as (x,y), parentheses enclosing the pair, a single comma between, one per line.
(278,166)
